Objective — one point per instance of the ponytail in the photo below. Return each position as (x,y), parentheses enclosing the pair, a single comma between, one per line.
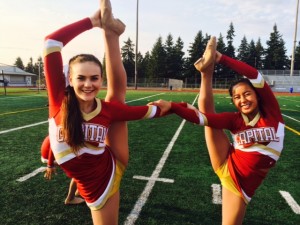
(72,121)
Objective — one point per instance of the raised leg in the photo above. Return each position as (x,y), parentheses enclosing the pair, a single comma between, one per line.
(216,140)
(218,144)
(116,80)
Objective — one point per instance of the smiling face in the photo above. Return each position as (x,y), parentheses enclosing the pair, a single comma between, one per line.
(85,78)
(245,99)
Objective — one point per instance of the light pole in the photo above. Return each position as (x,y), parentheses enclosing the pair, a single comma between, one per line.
(136,44)
(295,37)
(39,86)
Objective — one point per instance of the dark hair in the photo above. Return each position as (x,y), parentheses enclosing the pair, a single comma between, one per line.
(72,118)
(248,82)
(241,80)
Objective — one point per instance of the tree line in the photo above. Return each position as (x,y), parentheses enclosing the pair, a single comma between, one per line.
(167,59)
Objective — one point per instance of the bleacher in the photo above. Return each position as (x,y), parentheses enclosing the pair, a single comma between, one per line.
(282,82)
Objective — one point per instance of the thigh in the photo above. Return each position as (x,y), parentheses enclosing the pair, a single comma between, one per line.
(118,141)
(233,208)
(109,213)
(218,146)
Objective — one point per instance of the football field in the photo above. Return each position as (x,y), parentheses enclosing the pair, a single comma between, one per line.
(169,179)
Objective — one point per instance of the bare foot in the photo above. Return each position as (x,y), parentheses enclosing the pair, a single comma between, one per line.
(74,201)
(108,21)
(208,58)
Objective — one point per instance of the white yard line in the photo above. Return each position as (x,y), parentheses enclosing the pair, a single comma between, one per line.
(217,194)
(32,174)
(288,99)
(291,118)
(145,97)
(165,180)
(26,96)
(135,212)
(290,201)
(23,127)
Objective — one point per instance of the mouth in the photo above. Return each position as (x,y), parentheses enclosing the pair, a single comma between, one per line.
(87,91)
(246,106)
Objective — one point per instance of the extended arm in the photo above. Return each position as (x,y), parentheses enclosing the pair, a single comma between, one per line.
(191,114)
(54,43)
(268,99)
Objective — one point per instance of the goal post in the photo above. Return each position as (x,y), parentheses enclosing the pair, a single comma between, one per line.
(175,84)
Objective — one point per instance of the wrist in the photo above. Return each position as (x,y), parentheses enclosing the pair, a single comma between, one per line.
(95,22)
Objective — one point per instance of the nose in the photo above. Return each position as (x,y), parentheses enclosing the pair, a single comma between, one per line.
(87,83)
(243,98)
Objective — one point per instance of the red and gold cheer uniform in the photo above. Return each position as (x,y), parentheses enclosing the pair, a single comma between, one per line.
(94,168)
(257,144)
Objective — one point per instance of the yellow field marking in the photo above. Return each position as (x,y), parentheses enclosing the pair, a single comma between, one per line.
(26,110)
(291,129)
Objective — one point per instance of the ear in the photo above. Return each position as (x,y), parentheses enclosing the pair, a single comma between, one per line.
(70,80)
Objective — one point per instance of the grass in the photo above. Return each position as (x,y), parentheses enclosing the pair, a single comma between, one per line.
(188,200)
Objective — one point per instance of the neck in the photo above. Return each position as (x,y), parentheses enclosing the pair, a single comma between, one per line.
(89,106)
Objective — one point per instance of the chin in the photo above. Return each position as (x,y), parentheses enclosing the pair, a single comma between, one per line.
(87,98)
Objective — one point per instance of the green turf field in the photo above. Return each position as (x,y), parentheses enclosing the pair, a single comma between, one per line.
(169,179)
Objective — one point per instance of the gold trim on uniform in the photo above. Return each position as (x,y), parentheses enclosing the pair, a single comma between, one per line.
(89,116)
(62,154)
(50,50)
(263,147)
(93,147)
(150,108)
(259,82)
(252,122)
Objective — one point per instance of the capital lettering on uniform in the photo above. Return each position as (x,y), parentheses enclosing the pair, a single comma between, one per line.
(59,134)
(264,134)
(92,133)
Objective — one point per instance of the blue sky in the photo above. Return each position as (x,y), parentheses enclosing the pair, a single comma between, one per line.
(24,24)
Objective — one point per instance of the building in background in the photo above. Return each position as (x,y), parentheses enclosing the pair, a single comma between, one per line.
(14,76)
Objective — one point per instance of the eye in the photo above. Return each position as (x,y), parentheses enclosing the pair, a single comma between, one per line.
(80,78)
(94,78)
(247,93)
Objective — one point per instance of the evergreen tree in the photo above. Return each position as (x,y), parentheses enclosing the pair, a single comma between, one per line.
(128,57)
(243,51)
(170,52)
(259,49)
(174,57)
(230,51)
(252,54)
(297,57)
(19,63)
(157,59)
(221,47)
(146,65)
(178,58)
(275,58)
(195,51)
(38,67)
(30,68)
